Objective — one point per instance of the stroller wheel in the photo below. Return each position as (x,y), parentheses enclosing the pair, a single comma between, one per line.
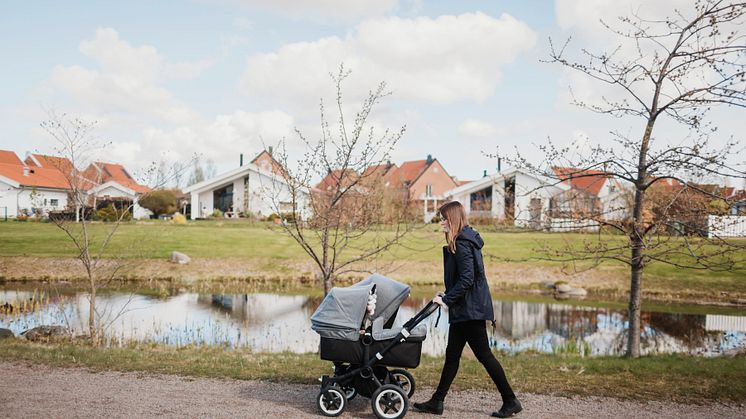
(333,404)
(404,379)
(389,402)
(350,392)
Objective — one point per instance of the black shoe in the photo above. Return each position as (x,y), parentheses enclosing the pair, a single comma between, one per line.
(508,409)
(430,406)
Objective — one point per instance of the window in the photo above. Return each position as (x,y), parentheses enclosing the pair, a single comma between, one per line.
(429,190)
(54,202)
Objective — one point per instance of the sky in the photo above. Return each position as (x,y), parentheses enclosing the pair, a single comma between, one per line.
(218,78)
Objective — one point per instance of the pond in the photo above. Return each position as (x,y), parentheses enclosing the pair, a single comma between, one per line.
(266,322)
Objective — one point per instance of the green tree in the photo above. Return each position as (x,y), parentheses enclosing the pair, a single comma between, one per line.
(162,201)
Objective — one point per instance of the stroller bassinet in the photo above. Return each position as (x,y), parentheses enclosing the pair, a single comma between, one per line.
(362,347)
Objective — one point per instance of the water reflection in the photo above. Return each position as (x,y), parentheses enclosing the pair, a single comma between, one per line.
(273,323)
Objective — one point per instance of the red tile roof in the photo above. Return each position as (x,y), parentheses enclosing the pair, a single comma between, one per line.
(9,157)
(40,177)
(336,176)
(99,173)
(51,162)
(380,169)
(590,181)
(409,171)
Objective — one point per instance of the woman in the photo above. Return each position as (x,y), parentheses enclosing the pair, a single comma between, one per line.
(469,305)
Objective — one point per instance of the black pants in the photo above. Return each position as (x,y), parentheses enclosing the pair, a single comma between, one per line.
(475,334)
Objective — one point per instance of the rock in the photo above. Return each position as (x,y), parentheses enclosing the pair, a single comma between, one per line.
(548,285)
(577,292)
(6,333)
(563,288)
(180,258)
(44,333)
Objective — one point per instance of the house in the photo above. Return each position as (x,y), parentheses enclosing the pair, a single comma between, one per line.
(426,182)
(111,184)
(513,196)
(341,178)
(29,190)
(41,183)
(592,194)
(247,189)
(266,161)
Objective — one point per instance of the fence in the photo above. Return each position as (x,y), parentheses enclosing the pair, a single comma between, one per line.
(562,225)
(726,226)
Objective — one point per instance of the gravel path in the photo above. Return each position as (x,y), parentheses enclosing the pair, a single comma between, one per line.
(31,391)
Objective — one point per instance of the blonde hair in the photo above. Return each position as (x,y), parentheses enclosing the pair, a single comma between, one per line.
(457,220)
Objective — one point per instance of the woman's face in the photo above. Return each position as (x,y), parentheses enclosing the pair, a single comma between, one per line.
(444,225)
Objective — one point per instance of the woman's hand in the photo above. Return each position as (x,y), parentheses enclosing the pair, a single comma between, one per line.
(439,300)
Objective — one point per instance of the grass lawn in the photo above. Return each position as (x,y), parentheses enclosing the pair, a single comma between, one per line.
(672,378)
(509,252)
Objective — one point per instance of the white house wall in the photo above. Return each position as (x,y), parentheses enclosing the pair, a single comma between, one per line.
(262,191)
(16,200)
(527,188)
(205,204)
(8,201)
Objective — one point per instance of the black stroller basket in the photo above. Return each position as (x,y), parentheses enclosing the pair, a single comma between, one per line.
(363,354)
(401,351)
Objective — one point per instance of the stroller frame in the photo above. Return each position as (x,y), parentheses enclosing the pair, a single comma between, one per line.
(337,389)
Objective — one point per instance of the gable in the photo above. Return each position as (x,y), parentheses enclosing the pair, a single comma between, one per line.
(435,172)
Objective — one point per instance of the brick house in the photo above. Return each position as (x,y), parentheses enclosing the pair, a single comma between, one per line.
(426,182)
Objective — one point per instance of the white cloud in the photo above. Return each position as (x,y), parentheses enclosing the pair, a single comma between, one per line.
(476,128)
(439,60)
(223,138)
(127,78)
(325,10)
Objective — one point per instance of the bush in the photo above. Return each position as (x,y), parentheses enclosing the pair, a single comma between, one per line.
(272,217)
(436,220)
(288,217)
(111,214)
(179,219)
(162,201)
(216,213)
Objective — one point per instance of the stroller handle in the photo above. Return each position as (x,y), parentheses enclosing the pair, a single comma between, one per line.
(426,311)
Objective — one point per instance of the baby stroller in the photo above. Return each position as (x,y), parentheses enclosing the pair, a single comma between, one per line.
(362,344)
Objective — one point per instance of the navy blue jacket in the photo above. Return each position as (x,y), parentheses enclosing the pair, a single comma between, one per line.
(467,292)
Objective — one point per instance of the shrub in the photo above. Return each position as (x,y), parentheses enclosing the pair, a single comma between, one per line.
(179,219)
(162,201)
(216,213)
(111,214)
(288,217)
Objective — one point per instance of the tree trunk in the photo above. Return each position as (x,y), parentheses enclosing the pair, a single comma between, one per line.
(637,241)
(635,300)
(92,316)
(327,283)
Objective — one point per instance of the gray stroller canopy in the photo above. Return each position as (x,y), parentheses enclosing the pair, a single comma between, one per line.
(342,311)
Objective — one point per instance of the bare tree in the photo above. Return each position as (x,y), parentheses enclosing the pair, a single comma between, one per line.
(341,226)
(676,69)
(78,146)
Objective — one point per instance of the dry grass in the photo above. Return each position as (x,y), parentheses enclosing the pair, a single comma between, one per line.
(672,378)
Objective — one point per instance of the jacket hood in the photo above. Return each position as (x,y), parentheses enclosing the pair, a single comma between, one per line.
(471,235)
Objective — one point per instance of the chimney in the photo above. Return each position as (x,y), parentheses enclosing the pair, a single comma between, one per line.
(269,150)
(240,160)
(429,158)
(499,161)
(26,170)
(485,173)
